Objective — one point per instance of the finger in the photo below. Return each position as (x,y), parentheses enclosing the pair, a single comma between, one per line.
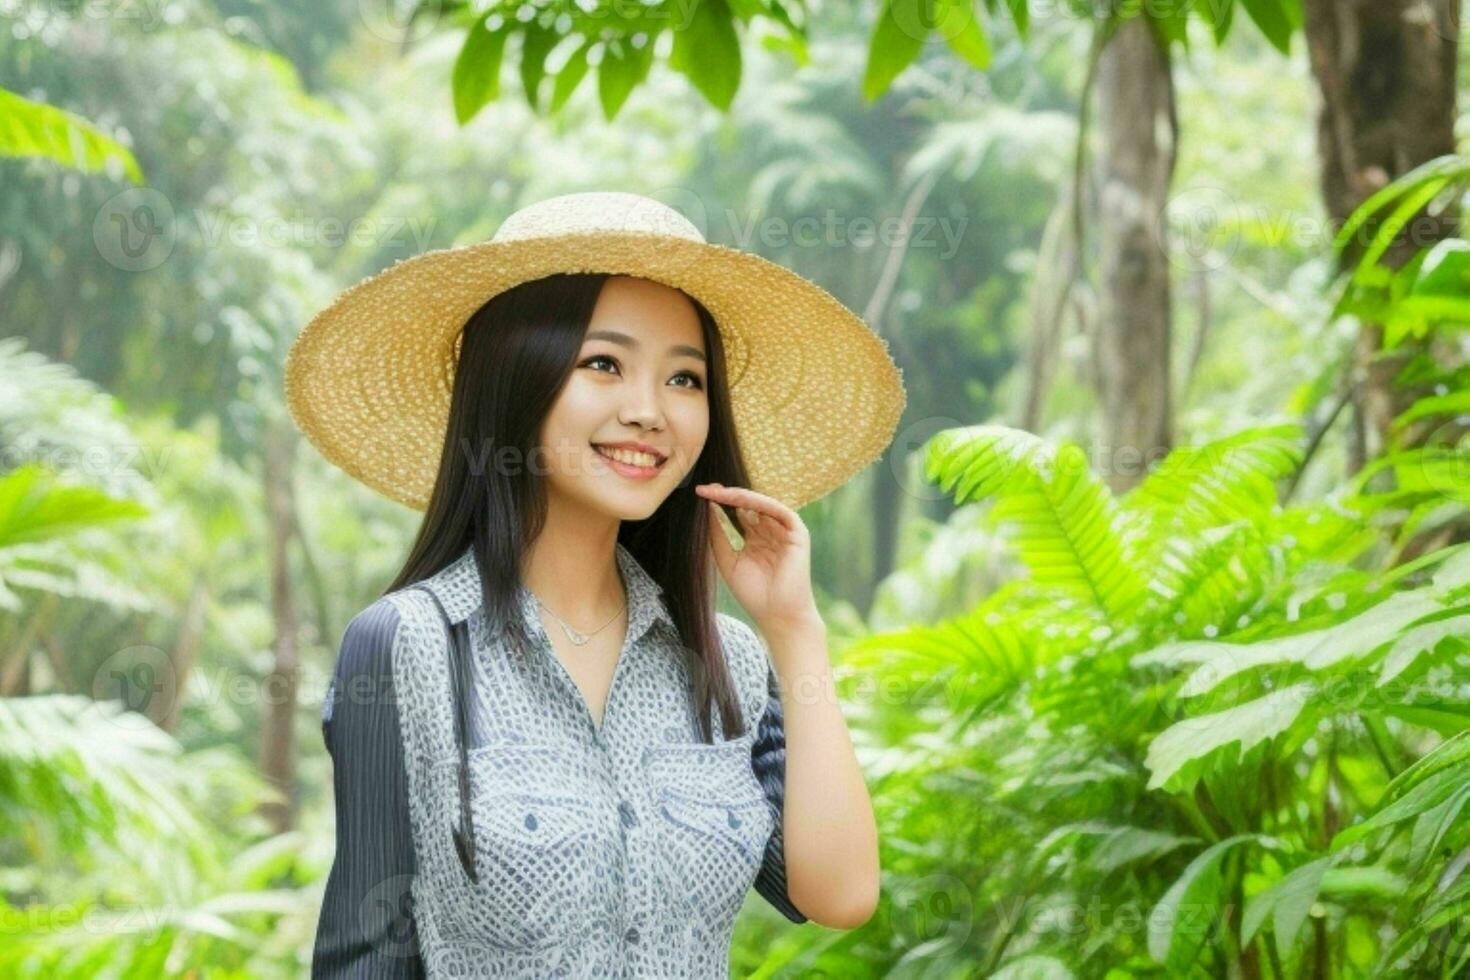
(759,502)
(719,541)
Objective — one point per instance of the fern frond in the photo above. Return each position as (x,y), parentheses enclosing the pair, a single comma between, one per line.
(981,461)
(1210,580)
(1219,482)
(975,660)
(1064,519)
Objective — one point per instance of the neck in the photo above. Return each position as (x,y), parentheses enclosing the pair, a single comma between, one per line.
(572,567)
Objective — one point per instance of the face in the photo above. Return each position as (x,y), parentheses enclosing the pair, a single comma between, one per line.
(640,377)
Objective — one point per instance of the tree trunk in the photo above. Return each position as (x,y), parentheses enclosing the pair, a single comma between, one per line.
(186,654)
(1056,269)
(15,667)
(885,523)
(1386,72)
(278,748)
(1135,169)
(886,501)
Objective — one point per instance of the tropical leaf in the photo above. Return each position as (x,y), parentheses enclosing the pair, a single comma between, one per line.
(1287,903)
(1123,846)
(1207,580)
(1220,482)
(1313,650)
(1421,798)
(897,40)
(707,52)
(1179,923)
(1175,754)
(1064,519)
(34,129)
(91,767)
(476,78)
(977,659)
(35,506)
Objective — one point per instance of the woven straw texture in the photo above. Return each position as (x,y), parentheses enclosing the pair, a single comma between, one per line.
(815,393)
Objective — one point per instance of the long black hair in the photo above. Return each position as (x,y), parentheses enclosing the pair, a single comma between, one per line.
(515,354)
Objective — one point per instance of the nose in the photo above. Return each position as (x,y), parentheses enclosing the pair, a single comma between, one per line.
(642,406)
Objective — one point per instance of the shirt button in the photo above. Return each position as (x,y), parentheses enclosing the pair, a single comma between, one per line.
(626,812)
(632,934)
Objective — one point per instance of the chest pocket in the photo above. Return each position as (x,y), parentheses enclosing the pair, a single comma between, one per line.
(714,819)
(540,843)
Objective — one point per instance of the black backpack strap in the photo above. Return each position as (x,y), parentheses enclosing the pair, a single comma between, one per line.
(461,683)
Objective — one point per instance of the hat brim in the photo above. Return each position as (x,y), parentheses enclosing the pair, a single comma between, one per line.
(815,393)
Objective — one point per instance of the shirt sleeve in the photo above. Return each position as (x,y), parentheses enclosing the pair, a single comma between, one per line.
(366,929)
(768,758)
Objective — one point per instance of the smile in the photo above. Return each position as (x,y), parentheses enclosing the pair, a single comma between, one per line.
(630,463)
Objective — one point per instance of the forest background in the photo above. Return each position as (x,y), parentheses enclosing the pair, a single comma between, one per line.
(1151,625)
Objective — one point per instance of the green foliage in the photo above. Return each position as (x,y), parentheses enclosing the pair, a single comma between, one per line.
(90,789)
(1194,706)
(477,69)
(1189,694)
(707,52)
(34,129)
(1065,520)
(618,39)
(89,795)
(1277,19)
(1432,290)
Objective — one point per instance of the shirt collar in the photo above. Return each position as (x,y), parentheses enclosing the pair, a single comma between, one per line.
(457,585)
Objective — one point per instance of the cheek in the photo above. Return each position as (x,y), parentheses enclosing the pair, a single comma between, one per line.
(692,426)
(574,415)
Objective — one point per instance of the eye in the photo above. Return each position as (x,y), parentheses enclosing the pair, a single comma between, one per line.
(598,357)
(695,382)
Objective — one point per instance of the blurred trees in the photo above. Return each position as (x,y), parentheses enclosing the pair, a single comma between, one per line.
(1069,722)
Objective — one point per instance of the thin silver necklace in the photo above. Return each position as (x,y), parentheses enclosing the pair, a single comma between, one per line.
(576,636)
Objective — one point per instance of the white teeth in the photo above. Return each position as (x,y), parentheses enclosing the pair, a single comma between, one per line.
(628,456)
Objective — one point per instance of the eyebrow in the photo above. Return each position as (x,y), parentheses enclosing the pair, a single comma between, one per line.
(632,343)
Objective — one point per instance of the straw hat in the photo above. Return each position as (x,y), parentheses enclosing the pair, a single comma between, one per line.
(816,395)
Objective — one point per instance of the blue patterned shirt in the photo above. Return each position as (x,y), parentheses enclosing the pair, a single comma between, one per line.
(623,849)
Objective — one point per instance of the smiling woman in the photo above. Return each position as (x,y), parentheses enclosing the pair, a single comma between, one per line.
(583,764)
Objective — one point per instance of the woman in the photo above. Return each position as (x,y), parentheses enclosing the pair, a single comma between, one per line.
(551,756)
